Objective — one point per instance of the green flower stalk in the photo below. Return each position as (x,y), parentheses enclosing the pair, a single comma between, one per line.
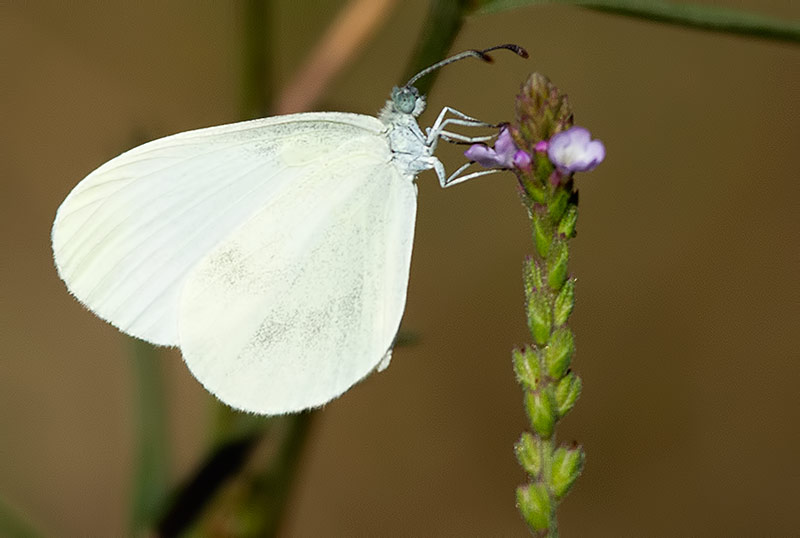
(544,150)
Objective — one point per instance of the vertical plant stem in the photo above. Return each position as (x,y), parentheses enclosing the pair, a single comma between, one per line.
(256,96)
(257,84)
(13,524)
(234,428)
(255,506)
(151,475)
(237,435)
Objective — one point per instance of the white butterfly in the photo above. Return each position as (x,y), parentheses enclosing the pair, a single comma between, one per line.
(275,252)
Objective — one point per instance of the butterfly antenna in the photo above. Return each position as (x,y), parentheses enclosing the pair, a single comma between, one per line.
(481,54)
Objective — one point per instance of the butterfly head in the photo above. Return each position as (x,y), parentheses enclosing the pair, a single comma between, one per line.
(407,100)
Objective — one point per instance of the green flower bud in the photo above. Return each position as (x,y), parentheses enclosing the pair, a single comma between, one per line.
(542,233)
(558,204)
(534,505)
(532,276)
(526,366)
(557,265)
(558,353)
(542,170)
(540,318)
(567,466)
(566,225)
(564,302)
(567,392)
(541,111)
(542,412)
(535,192)
(528,454)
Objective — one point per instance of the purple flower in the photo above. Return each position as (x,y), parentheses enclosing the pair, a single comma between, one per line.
(505,153)
(522,160)
(574,150)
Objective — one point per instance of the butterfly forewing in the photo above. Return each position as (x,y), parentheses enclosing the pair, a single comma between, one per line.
(127,236)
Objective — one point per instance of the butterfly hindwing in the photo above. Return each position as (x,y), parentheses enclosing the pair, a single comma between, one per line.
(306,297)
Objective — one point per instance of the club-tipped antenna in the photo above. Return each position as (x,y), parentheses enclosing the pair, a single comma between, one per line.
(482,54)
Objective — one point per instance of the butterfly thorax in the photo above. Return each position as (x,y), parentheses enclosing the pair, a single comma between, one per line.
(410,151)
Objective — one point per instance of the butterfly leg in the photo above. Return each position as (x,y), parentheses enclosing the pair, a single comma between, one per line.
(457,138)
(437,129)
(437,125)
(432,140)
(455,178)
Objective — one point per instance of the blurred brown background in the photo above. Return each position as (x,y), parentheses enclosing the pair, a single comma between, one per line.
(687,258)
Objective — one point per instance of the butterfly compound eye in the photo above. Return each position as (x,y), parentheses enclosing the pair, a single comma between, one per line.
(405,99)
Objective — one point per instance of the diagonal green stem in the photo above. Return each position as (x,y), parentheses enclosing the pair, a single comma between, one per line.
(704,17)
(442,24)
(261,508)
(195,495)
